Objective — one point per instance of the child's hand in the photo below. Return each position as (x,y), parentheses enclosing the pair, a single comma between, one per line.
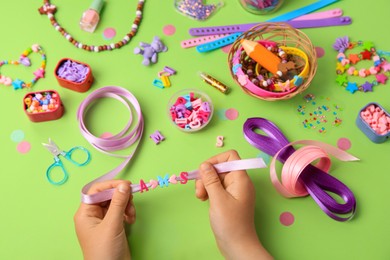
(232,209)
(100,228)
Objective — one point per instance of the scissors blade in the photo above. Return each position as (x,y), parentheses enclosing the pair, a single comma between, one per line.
(52,147)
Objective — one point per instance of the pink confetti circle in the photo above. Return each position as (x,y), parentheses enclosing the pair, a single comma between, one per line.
(106,135)
(169,29)
(23,147)
(320,52)
(109,33)
(286,218)
(231,114)
(226,48)
(344,144)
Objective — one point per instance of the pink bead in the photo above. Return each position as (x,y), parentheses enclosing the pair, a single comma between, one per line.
(376,58)
(7,81)
(362,73)
(373,71)
(351,70)
(344,62)
(35,48)
(340,55)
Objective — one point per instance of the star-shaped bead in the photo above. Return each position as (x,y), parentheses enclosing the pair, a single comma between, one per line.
(367,86)
(341,79)
(39,73)
(353,58)
(340,68)
(352,87)
(366,55)
(368,46)
(17,84)
(381,78)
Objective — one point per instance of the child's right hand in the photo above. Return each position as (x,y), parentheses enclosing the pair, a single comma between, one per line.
(232,209)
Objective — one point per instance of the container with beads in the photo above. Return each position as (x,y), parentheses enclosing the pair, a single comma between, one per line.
(190,110)
(374,121)
(287,62)
(43,106)
(74,75)
(261,6)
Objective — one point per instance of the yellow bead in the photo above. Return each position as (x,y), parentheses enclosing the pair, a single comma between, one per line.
(355,72)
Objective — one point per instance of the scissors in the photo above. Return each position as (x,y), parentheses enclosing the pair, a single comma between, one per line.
(56,152)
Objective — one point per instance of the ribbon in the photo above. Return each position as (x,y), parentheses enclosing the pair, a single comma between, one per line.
(130,135)
(299,176)
(244,164)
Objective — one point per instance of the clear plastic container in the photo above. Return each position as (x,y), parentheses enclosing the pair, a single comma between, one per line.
(190,110)
(198,9)
(261,6)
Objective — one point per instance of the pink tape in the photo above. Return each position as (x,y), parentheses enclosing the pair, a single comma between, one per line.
(290,186)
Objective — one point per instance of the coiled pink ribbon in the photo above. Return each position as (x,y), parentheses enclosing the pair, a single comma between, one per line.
(130,134)
(299,176)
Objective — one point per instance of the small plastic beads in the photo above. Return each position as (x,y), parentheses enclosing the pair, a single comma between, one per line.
(346,65)
(50,9)
(41,102)
(196,9)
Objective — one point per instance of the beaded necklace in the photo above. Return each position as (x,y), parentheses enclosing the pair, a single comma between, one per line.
(345,65)
(50,9)
(24,60)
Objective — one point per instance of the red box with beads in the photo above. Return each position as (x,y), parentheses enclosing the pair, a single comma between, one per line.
(43,106)
(81,86)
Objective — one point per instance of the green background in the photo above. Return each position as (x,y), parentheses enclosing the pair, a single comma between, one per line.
(36,217)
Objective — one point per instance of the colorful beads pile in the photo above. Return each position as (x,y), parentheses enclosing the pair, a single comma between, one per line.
(345,65)
(190,110)
(73,71)
(24,60)
(50,9)
(41,102)
(261,6)
(196,9)
(377,119)
(291,66)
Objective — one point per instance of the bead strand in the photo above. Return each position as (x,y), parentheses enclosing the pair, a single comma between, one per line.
(50,9)
(24,60)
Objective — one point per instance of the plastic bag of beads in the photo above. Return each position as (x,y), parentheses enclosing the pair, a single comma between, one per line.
(197,9)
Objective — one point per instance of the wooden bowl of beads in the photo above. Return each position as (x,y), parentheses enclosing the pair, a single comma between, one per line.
(288,66)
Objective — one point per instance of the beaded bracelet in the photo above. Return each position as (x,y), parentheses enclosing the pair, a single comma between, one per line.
(344,65)
(273,86)
(24,60)
(50,9)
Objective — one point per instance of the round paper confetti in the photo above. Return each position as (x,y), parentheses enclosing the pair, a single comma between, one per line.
(23,147)
(221,114)
(286,218)
(109,33)
(169,29)
(344,144)
(320,52)
(231,114)
(106,135)
(226,48)
(17,136)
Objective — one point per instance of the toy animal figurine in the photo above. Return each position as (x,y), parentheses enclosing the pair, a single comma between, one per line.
(149,51)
